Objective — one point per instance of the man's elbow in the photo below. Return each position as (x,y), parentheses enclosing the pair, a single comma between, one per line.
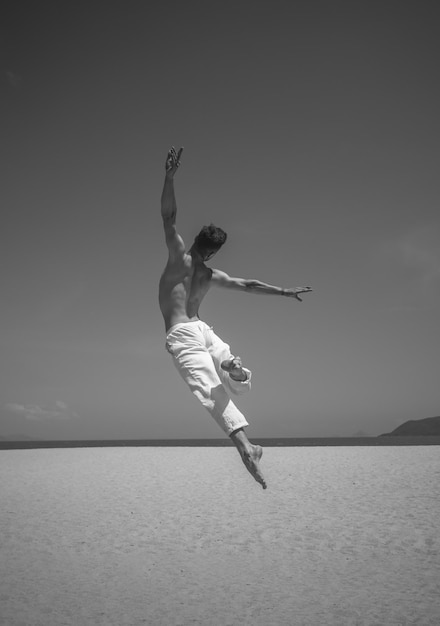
(168,216)
(223,280)
(249,285)
(239,284)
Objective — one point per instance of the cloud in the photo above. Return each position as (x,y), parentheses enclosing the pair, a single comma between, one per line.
(13,79)
(39,413)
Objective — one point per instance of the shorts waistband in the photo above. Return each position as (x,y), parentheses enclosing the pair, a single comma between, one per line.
(176,326)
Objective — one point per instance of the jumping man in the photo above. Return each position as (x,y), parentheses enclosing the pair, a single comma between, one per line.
(205,361)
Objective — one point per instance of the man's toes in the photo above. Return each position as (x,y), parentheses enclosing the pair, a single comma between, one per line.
(233,363)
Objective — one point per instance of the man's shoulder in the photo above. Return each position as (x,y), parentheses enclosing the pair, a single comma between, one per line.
(218,275)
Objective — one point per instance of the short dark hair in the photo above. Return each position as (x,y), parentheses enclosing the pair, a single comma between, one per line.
(210,237)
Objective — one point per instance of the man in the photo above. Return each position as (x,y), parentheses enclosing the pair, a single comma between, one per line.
(205,361)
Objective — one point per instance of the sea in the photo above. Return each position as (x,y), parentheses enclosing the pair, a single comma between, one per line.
(383,440)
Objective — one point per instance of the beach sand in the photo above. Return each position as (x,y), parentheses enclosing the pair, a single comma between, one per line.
(177,536)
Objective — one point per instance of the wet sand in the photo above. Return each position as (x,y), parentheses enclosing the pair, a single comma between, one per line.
(176,536)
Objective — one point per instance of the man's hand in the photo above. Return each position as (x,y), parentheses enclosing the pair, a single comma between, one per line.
(172,162)
(295,291)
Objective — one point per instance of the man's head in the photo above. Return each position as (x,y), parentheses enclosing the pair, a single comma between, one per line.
(209,241)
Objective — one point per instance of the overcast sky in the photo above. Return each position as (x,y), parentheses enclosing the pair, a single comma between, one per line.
(311,134)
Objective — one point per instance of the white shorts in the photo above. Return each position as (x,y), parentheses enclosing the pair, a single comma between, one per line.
(197,354)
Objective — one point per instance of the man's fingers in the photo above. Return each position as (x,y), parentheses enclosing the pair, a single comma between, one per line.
(174,156)
(179,154)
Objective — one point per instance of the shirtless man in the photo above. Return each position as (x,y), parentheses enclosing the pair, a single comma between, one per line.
(205,361)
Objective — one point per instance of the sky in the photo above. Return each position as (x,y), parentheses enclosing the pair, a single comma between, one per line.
(311,135)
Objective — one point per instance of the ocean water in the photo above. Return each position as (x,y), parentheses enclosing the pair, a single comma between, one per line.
(183,535)
(225,442)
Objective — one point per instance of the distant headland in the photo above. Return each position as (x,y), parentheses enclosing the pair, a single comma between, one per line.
(427,427)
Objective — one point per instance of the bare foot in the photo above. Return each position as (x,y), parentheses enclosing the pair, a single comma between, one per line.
(251,458)
(234,368)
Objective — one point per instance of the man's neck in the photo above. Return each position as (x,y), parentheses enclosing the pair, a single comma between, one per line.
(197,257)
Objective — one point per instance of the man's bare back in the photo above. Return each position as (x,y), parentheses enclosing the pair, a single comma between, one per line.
(183,285)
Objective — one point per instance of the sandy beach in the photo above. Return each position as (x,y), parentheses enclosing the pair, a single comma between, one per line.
(177,536)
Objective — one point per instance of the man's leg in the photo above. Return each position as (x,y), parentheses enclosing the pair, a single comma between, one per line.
(250,455)
(201,373)
(196,366)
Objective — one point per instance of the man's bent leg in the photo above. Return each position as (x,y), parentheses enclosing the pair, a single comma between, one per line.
(250,455)
(198,371)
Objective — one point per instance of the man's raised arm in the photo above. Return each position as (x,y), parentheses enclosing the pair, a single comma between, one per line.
(174,241)
(168,199)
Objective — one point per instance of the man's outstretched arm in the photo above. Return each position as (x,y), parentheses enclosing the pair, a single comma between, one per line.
(168,202)
(221,279)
